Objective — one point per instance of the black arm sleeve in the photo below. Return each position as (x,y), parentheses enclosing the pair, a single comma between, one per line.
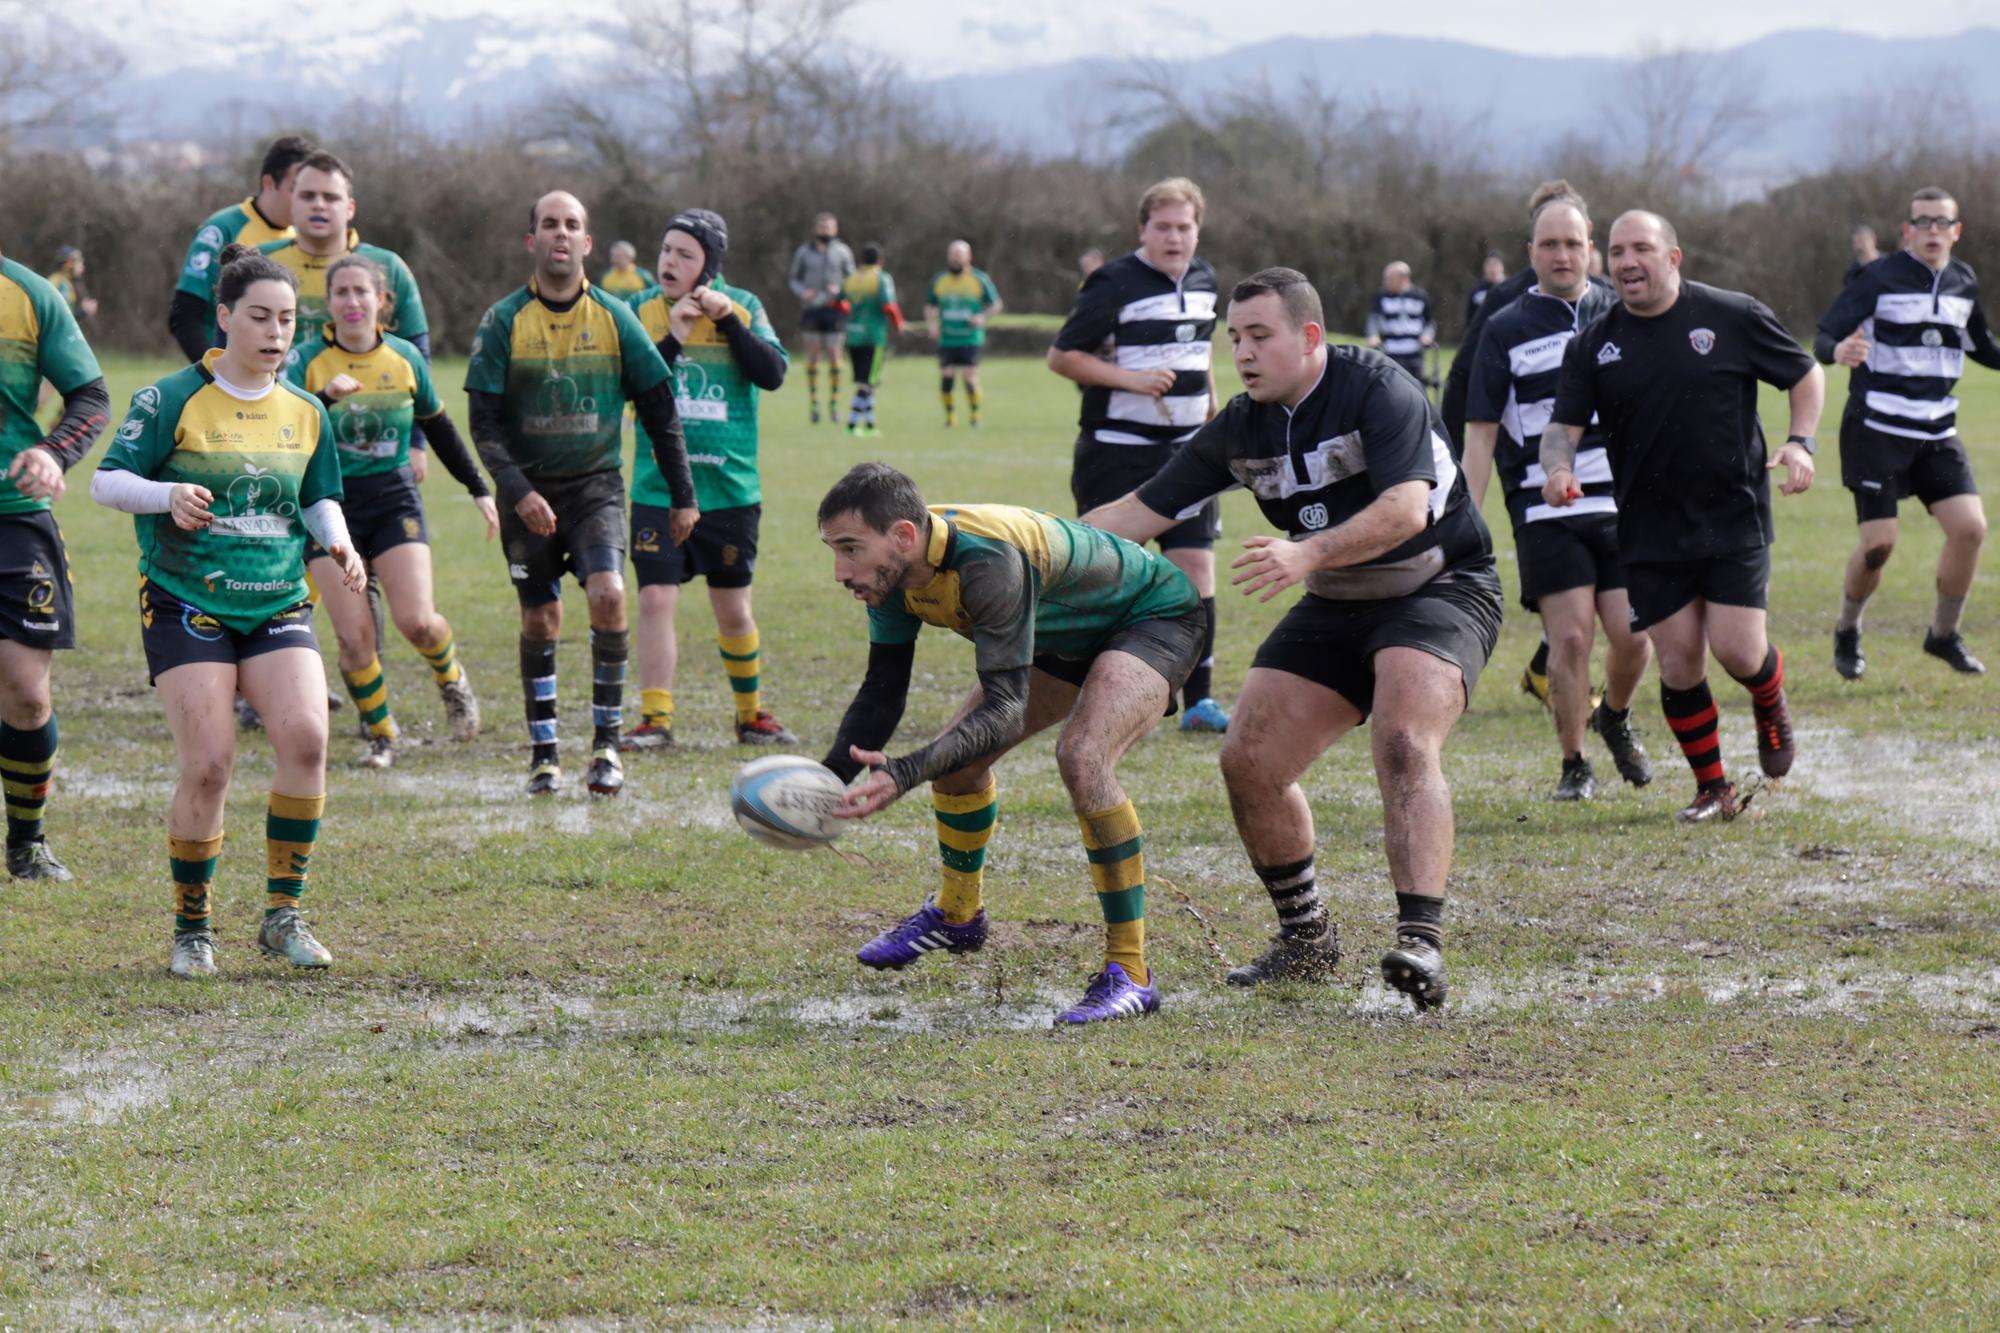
(418,440)
(669,348)
(662,420)
(451,451)
(992,726)
(489,437)
(187,318)
(877,708)
(762,364)
(1979,340)
(86,411)
(1823,344)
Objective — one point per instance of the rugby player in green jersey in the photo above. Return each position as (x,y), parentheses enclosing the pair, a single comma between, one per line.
(961,300)
(553,365)
(67,279)
(1069,625)
(872,315)
(39,341)
(625,278)
(227,469)
(377,387)
(323,206)
(723,352)
(264,216)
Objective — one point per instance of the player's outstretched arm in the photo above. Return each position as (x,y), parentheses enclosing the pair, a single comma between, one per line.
(877,709)
(994,723)
(1272,564)
(1129,517)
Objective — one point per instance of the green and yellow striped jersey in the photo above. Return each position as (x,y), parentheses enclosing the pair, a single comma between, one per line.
(405,304)
(870,291)
(203,265)
(372,425)
(39,340)
(717,403)
(961,298)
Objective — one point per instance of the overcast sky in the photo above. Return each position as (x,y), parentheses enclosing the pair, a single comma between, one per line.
(938,37)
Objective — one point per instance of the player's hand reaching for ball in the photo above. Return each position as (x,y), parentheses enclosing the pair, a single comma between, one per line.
(535,512)
(189,505)
(1560,490)
(1798,466)
(1852,350)
(36,474)
(353,573)
(872,790)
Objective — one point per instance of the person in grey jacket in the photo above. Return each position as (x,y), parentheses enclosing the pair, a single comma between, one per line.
(820,268)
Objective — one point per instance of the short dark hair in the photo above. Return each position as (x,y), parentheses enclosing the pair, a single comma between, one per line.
(284,154)
(879,493)
(1291,287)
(1932,194)
(243,266)
(321,160)
(871,252)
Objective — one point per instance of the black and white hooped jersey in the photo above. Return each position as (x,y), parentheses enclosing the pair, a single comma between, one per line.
(1402,320)
(1921,325)
(1365,426)
(1141,319)
(1514,383)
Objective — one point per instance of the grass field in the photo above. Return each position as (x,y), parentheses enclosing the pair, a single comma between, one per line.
(612,1065)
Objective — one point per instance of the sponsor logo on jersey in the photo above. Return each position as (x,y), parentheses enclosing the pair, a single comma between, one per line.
(1932,338)
(41,596)
(1702,340)
(1184,333)
(219,578)
(1609,353)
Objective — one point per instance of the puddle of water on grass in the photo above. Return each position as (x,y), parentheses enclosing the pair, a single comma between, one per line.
(103,1088)
(1920,784)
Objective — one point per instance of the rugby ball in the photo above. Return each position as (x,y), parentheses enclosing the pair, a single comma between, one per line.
(787,801)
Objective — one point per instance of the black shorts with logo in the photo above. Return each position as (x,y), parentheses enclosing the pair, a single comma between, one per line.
(1658,588)
(959,356)
(175,633)
(1170,647)
(1557,554)
(589,536)
(1455,618)
(37,606)
(822,320)
(722,548)
(383,512)
(1100,473)
(1882,469)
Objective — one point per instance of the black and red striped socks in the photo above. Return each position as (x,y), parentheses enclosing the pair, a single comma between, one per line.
(1691,714)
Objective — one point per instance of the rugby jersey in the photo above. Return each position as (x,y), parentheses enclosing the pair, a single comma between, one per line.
(1401,320)
(404,306)
(372,425)
(870,294)
(717,403)
(1921,325)
(203,265)
(960,299)
(265,461)
(1514,383)
(628,283)
(1141,319)
(39,340)
(1365,426)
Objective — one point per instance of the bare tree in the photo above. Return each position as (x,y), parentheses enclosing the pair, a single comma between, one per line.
(52,73)
(1675,115)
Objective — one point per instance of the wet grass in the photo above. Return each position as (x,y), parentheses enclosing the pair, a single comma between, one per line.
(604,1066)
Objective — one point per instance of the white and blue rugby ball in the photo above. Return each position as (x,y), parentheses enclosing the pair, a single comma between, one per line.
(787,801)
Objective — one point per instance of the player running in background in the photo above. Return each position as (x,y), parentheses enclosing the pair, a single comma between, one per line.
(872,315)
(227,469)
(1568,557)
(724,354)
(1905,325)
(1401,610)
(960,301)
(820,267)
(625,279)
(1491,275)
(67,279)
(1140,340)
(264,216)
(1866,250)
(552,366)
(1068,625)
(39,340)
(1399,320)
(1670,375)
(376,387)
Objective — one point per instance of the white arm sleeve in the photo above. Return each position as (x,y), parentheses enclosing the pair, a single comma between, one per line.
(130,493)
(327,524)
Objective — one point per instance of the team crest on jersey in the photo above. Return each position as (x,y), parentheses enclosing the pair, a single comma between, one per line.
(1702,340)
(1932,338)
(41,596)
(1313,516)
(1184,333)
(411,528)
(1609,353)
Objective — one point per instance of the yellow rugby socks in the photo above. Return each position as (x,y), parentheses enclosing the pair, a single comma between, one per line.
(964,827)
(1116,852)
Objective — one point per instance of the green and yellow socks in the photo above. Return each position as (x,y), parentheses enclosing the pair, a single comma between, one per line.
(191,861)
(27,770)
(656,708)
(370,692)
(1116,852)
(442,658)
(964,827)
(291,830)
(742,661)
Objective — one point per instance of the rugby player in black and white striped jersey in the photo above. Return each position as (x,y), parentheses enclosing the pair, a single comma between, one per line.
(1140,340)
(1399,321)
(1570,573)
(1904,327)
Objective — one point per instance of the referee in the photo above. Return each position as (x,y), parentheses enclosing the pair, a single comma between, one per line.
(1671,375)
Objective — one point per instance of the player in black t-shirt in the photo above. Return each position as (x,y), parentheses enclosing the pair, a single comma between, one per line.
(1671,375)
(1401,609)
